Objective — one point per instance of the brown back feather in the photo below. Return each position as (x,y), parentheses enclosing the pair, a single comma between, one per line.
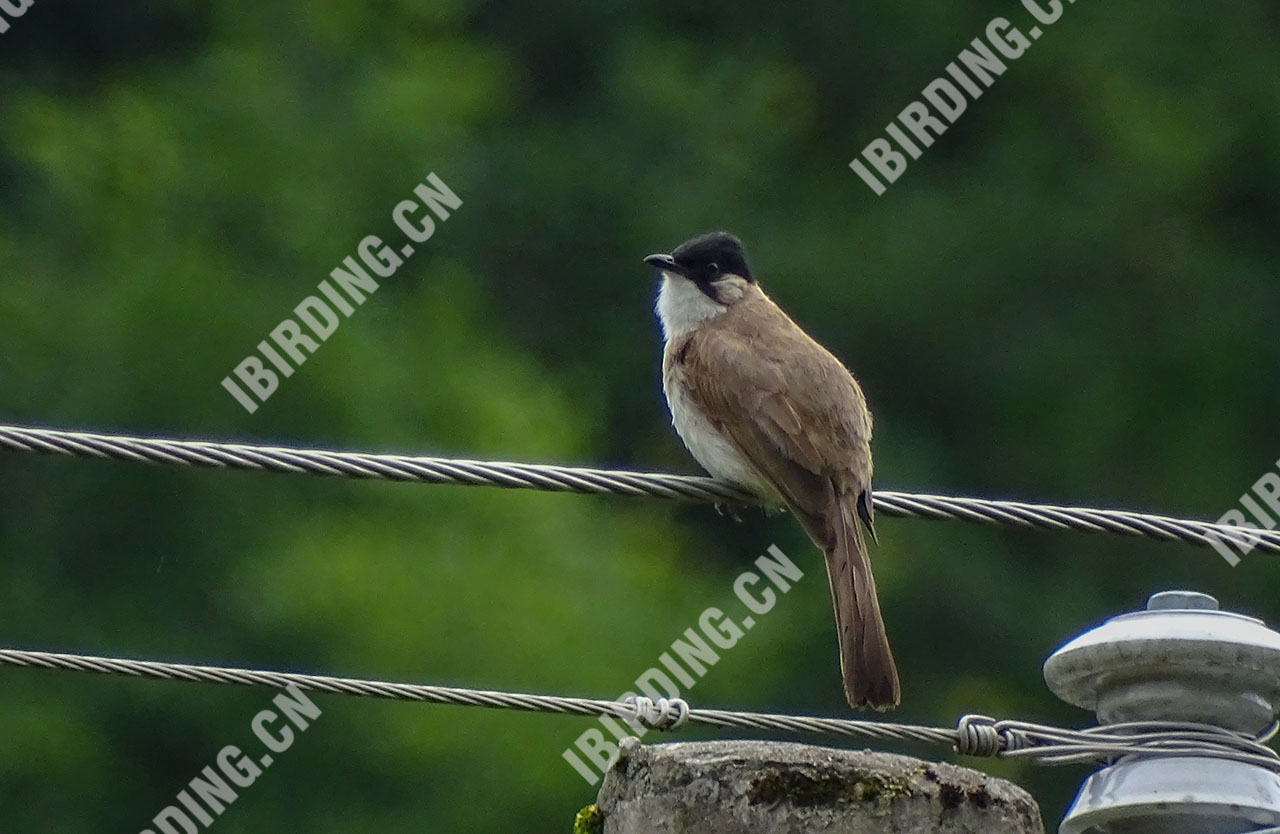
(792,410)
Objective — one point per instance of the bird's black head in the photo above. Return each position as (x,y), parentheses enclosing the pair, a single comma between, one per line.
(706,258)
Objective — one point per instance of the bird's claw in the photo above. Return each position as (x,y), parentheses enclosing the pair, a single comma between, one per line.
(731,510)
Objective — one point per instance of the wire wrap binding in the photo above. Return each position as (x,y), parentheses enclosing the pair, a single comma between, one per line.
(974,735)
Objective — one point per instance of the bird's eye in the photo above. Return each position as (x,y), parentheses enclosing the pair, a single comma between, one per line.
(713,268)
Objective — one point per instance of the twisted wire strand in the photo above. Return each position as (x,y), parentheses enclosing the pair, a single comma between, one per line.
(1054,746)
(975,735)
(434,470)
(664,714)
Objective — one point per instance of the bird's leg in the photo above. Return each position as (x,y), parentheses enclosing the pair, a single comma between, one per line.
(729,509)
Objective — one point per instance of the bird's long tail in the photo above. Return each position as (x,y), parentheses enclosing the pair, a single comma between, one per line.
(866,662)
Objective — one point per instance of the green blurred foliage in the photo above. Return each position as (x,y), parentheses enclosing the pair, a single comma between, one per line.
(1071,297)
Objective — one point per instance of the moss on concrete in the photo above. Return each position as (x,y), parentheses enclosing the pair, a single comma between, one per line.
(589,821)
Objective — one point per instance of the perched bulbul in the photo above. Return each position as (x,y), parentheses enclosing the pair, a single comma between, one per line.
(763,406)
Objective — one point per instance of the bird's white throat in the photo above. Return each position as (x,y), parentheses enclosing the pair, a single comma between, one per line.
(682,307)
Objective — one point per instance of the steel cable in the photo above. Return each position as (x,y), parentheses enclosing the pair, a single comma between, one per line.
(434,470)
(975,735)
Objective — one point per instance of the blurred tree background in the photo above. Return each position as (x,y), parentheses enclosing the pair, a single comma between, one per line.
(1071,297)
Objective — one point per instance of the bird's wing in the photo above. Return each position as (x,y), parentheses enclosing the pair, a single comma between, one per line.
(794,412)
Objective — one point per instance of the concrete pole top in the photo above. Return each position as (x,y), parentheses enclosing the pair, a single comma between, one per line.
(754,787)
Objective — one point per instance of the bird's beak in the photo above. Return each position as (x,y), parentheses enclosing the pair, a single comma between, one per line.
(666,263)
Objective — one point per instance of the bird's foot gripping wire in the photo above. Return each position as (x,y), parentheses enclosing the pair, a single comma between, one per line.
(733,511)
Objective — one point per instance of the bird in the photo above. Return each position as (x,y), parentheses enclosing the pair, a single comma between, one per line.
(760,404)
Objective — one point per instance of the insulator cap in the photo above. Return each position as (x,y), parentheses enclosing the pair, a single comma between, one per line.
(1182,659)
